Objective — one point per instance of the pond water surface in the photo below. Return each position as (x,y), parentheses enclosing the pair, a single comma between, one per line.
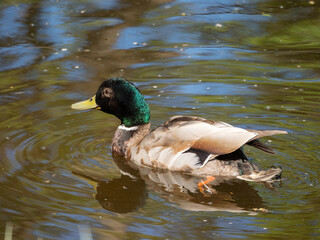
(253,64)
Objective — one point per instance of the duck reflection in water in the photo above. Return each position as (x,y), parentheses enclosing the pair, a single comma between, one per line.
(129,192)
(122,195)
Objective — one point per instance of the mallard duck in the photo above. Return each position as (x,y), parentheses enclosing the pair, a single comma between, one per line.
(188,144)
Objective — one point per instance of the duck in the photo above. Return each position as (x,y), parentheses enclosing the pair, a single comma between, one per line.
(191,145)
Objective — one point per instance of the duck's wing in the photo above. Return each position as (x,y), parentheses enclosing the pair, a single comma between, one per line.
(186,143)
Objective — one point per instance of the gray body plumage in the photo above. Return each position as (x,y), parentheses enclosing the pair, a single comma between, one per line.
(194,146)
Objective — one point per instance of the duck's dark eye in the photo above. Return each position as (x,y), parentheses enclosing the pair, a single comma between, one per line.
(107,93)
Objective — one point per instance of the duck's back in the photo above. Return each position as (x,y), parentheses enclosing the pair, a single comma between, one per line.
(186,143)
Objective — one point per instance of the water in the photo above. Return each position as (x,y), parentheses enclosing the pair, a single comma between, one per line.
(254,64)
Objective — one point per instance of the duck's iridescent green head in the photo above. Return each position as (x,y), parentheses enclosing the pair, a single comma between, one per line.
(120,98)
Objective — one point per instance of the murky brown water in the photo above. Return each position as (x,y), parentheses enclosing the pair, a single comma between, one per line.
(254,64)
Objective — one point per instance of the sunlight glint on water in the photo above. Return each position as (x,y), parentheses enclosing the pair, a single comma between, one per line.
(252,64)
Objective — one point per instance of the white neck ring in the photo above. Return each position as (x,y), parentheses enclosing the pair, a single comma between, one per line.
(123,127)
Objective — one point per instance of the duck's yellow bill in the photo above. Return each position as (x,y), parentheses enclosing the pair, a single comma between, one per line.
(87,104)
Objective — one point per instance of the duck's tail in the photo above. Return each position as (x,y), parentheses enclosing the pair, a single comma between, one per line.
(262,176)
(254,142)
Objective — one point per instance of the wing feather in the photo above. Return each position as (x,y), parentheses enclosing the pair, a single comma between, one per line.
(216,139)
(169,145)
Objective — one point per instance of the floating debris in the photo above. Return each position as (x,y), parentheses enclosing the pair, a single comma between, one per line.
(8,231)
(266,14)
(85,232)
(263,210)
(236,10)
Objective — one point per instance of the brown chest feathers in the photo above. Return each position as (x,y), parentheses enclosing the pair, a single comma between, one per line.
(126,138)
